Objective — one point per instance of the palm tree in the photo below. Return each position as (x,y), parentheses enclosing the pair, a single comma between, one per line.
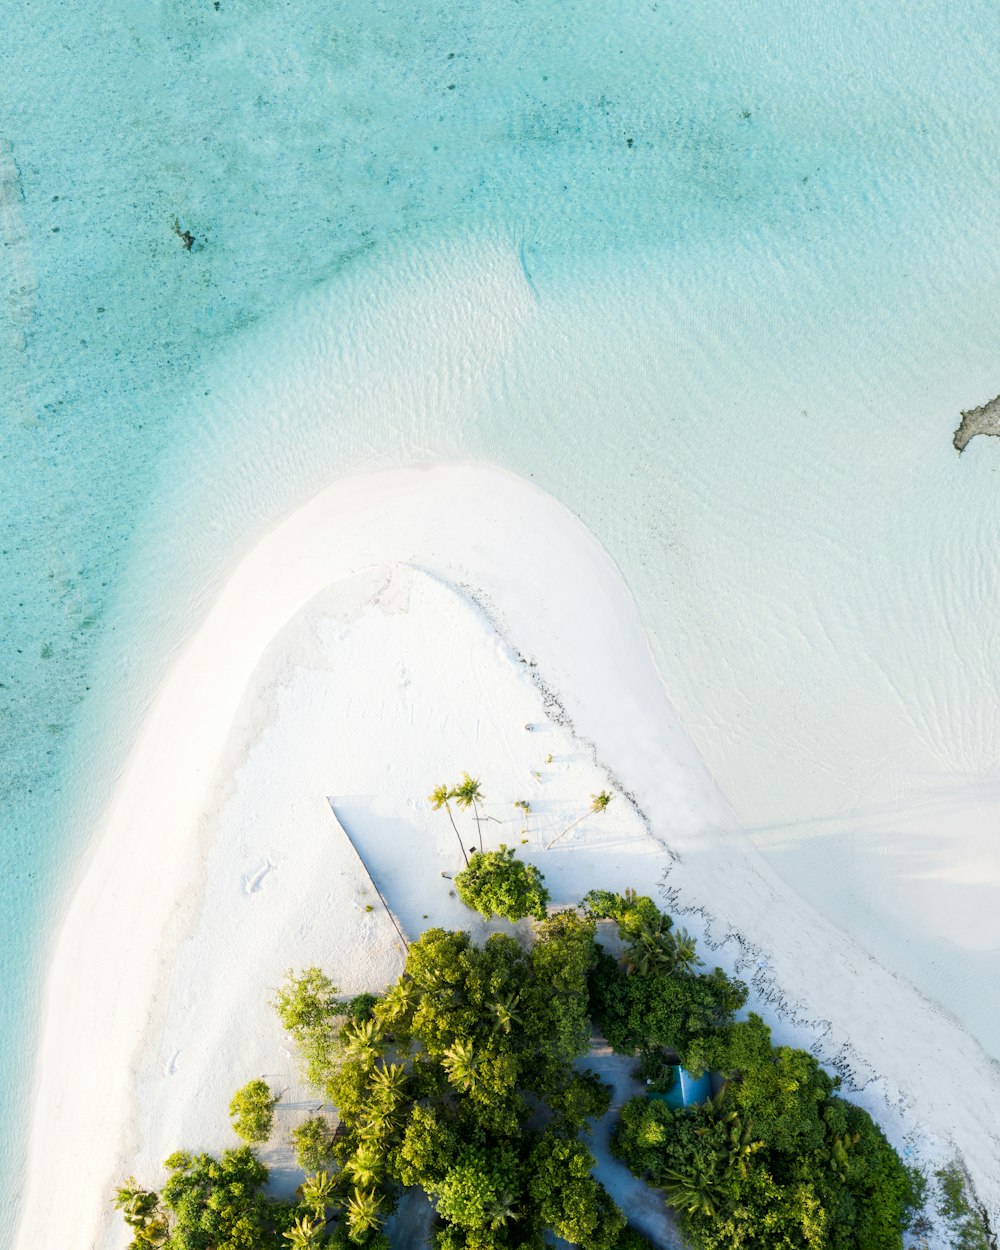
(317,1192)
(652,949)
(361,1039)
(141,1209)
(636,959)
(438,799)
(694,1191)
(374,1130)
(382,1120)
(461,1065)
(389,1081)
(469,794)
(400,1001)
(501,1209)
(134,1202)
(712,1109)
(362,1212)
(598,803)
(840,1152)
(505,1013)
(366,1165)
(305,1233)
(741,1143)
(685,952)
(435,984)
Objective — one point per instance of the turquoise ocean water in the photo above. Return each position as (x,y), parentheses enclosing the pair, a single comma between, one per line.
(719,277)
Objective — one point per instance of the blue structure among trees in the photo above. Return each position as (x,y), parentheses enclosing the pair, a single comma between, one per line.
(686,1090)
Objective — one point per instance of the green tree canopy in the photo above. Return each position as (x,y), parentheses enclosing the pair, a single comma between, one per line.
(313,1143)
(464,1079)
(252,1111)
(470,1058)
(497,883)
(217,1204)
(309,1010)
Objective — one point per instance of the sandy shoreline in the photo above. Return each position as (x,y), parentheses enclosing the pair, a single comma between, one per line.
(556,598)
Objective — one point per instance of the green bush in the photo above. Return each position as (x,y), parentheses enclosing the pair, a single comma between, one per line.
(491,1035)
(584,1096)
(252,1111)
(661,1010)
(570,1202)
(360,1007)
(306,1002)
(217,1204)
(775,1158)
(633,913)
(497,883)
(309,1010)
(462,1079)
(142,1213)
(312,1141)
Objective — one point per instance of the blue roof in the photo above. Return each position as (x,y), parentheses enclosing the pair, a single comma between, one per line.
(686,1089)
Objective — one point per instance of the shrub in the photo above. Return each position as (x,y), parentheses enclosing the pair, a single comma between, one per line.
(313,1143)
(308,1008)
(497,883)
(955,1205)
(219,1202)
(462,1080)
(307,1001)
(360,1006)
(632,912)
(252,1111)
(660,1009)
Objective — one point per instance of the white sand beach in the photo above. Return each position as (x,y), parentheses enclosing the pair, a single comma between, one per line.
(394,630)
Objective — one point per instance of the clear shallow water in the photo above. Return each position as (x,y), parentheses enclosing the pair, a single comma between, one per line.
(736,347)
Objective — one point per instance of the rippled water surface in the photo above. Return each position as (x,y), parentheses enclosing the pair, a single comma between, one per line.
(719,277)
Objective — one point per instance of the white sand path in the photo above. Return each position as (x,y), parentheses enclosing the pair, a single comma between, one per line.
(323,670)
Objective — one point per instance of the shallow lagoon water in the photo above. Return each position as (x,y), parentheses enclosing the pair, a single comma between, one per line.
(721,282)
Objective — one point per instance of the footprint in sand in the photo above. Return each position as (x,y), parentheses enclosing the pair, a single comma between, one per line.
(253,882)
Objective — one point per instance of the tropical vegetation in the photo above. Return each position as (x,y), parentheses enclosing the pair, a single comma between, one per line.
(598,803)
(252,1111)
(775,1158)
(467,793)
(439,797)
(466,1080)
(497,883)
(957,1206)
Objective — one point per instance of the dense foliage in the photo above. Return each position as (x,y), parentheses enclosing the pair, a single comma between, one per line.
(252,1111)
(497,883)
(775,1159)
(463,1080)
(309,1010)
(313,1143)
(208,1204)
